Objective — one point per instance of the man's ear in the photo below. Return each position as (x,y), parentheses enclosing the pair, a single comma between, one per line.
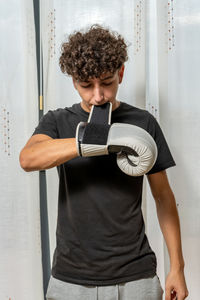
(121,73)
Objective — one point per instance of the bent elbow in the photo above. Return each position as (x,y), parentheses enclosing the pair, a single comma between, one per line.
(24,162)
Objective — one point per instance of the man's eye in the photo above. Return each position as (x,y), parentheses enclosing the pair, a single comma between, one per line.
(89,85)
(105,83)
(85,86)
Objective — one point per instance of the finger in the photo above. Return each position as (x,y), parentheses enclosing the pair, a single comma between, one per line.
(168,294)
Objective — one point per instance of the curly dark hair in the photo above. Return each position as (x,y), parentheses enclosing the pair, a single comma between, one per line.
(92,53)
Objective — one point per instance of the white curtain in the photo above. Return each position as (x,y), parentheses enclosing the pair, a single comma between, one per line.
(174,65)
(179,75)
(20,244)
(162,75)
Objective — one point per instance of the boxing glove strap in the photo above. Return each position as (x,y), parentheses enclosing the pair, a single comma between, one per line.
(96,134)
(97,128)
(101,114)
(92,136)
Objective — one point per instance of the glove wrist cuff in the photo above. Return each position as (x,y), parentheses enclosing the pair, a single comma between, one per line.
(93,150)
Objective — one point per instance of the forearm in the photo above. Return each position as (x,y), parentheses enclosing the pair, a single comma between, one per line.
(170,226)
(47,154)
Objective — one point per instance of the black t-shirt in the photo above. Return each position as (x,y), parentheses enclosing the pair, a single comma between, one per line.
(100,228)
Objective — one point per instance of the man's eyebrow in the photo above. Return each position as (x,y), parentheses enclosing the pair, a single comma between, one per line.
(108,77)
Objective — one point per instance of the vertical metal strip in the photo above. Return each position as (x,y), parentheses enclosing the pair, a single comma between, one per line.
(46,267)
(41,102)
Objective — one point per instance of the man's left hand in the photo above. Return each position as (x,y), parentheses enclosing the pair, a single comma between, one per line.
(175,286)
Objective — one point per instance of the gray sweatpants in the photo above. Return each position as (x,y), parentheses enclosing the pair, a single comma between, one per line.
(143,289)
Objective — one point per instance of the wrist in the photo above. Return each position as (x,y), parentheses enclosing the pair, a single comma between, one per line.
(176,267)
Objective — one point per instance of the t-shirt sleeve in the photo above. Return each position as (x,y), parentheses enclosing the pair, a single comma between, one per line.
(164,158)
(47,125)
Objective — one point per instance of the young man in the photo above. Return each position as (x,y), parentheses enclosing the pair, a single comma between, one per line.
(102,251)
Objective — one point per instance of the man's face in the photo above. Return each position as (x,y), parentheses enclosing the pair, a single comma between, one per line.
(97,91)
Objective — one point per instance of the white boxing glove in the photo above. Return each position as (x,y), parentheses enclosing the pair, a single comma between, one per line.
(136,149)
(140,141)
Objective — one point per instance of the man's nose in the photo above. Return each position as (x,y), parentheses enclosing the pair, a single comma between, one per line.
(98,93)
